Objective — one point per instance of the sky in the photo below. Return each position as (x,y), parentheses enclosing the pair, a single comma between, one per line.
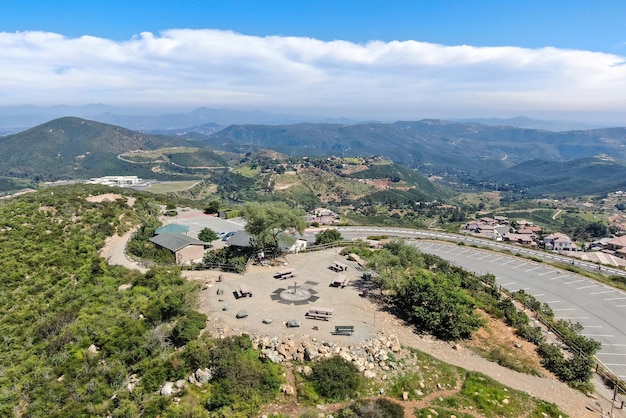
(366,59)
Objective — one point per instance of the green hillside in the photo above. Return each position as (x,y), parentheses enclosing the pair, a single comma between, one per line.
(73,148)
(586,176)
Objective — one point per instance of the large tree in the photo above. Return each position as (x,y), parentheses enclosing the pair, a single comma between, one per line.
(268,222)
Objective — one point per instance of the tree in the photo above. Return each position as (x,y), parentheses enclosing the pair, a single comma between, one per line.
(267,221)
(327,236)
(213,207)
(207,235)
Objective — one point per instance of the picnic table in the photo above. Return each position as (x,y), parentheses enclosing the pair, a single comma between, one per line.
(340,281)
(320,313)
(244,290)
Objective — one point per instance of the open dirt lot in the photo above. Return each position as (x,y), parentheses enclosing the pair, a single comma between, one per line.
(313,273)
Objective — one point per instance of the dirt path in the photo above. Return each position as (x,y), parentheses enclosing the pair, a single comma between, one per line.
(114,252)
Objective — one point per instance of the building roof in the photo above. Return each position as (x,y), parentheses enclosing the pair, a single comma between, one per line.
(240,239)
(618,242)
(175,242)
(172,229)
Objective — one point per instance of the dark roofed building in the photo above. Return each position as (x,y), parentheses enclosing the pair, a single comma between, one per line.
(186,249)
(240,239)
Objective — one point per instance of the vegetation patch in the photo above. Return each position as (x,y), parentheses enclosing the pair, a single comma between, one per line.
(493,399)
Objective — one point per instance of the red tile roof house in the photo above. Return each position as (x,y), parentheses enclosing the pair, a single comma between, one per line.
(522,239)
(559,242)
(618,245)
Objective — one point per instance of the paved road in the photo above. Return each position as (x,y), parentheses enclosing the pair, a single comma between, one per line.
(600,309)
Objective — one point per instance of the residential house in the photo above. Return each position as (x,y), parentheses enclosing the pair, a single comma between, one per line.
(559,242)
(617,247)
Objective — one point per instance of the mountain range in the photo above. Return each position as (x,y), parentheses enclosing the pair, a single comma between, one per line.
(461,154)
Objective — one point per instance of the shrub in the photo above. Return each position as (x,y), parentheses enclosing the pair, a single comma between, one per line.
(379,408)
(241,381)
(207,235)
(327,236)
(188,328)
(335,378)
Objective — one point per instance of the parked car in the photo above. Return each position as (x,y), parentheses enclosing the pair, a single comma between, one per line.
(228,235)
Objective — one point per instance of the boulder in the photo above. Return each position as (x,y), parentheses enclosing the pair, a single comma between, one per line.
(287,389)
(167,389)
(369,374)
(271,355)
(203,375)
(310,353)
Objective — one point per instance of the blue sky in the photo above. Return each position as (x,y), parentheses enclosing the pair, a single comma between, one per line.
(368,58)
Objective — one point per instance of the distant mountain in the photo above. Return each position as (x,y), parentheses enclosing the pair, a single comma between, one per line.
(18,118)
(74,148)
(584,176)
(524,122)
(194,133)
(432,146)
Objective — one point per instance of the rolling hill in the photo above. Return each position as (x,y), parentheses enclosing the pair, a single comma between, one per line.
(431,146)
(74,148)
(582,176)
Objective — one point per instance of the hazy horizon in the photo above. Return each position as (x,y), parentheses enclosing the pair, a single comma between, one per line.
(391,60)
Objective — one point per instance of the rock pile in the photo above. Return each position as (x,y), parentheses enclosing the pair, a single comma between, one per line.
(369,356)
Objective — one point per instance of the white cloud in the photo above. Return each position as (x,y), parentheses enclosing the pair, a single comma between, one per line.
(377,79)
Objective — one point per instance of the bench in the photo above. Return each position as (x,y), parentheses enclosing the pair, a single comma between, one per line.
(337,266)
(320,313)
(340,281)
(343,329)
(285,274)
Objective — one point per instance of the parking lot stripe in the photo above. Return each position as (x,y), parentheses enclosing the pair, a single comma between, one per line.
(507,284)
(574,281)
(615,298)
(587,287)
(598,335)
(600,293)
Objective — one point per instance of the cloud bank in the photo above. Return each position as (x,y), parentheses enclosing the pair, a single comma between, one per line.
(224,69)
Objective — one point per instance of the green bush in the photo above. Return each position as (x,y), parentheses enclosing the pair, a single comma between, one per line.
(188,328)
(207,235)
(327,236)
(242,382)
(378,408)
(335,378)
